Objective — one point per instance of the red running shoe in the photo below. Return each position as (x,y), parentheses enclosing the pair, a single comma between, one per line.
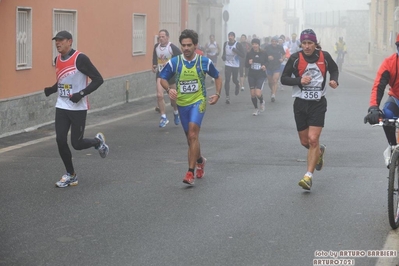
(189,179)
(200,172)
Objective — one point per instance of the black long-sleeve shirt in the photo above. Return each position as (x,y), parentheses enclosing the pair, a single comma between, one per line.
(259,59)
(292,68)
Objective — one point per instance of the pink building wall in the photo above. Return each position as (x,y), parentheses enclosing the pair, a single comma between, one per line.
(104,33)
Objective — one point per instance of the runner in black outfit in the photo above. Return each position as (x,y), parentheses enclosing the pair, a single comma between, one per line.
(255,62)
(72,70)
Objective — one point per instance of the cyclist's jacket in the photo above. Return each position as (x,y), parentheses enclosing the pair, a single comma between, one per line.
(316,66)
(72,72)
(190,77)
(387,75)
(340,46)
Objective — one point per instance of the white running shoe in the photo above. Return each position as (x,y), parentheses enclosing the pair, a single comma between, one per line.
(103,148)
(262,106)
(256,112)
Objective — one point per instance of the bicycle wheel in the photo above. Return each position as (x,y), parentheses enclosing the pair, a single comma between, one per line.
(340,62)
(393,184)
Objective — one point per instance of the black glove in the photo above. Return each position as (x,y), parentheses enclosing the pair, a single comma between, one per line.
(76,97)
(373,116)
(49,90)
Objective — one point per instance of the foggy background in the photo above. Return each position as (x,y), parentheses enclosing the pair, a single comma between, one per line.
(248,17)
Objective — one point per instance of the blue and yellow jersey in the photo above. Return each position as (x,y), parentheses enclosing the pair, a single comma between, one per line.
(190,77)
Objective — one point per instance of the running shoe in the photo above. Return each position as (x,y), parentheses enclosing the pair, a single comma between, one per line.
(256,112)
(242,88)
(67,180)
(103,148)
(200,172)
(176,119)
(228,100)
(273,98)
(237,89)
(189,179)
(157,109)
(320,162)
(163,122)
(306,182)
(262,106)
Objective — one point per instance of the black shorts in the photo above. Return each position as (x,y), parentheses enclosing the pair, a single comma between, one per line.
(309,113)
(256,82)
(171,81)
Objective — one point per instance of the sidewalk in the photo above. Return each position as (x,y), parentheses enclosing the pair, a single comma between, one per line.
(96,117)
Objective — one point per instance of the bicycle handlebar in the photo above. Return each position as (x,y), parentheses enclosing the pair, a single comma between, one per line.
(393,122)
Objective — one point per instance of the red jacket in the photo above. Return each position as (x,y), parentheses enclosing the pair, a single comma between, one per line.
(388,74)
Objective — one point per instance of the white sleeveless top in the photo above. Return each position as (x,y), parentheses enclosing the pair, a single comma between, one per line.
(232,59)
(70,80)
(212,48)
(164,54)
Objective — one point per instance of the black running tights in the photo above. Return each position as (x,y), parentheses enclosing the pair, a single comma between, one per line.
(76,121)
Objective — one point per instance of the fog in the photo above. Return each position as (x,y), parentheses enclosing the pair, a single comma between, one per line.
(248,17)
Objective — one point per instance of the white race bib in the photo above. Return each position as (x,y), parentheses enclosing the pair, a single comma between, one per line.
(65,90)
(188,86)
(311,94)
(256,66)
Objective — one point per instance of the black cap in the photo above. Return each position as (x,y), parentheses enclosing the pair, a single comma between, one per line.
(63,35)
(255,41)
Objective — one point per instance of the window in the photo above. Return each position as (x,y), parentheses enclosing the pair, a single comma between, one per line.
(24,38)
(64,20)
(139,34)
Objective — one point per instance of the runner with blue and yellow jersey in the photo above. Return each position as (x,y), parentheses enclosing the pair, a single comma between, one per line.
(190,95)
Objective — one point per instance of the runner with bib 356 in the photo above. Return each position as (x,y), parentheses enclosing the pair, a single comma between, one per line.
(306,72)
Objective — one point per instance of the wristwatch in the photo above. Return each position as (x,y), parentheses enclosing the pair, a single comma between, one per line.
(82,93)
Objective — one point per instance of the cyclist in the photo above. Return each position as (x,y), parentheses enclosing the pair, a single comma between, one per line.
(340,46)
(340,49)
(387,75)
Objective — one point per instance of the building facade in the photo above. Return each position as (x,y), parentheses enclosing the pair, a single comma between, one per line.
(384,27)
(119,43)
(205,17)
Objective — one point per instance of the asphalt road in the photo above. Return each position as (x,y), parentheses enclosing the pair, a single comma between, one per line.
(132,208)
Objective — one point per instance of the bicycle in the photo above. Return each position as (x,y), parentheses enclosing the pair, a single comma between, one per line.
(393,178)
(340,59)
